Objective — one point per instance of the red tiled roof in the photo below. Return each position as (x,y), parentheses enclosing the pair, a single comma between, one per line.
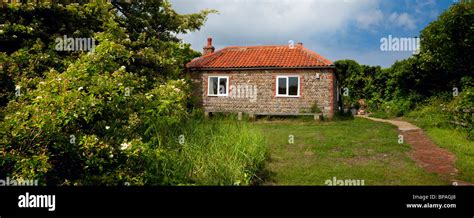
(261,56)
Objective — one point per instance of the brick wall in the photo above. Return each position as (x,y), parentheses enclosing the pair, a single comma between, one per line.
(311,90)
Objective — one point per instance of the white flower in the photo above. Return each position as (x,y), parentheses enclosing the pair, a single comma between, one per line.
(125,145)
(122,68)
(111,156)
(39,97)
(148,96)
(107,127)
(80,88)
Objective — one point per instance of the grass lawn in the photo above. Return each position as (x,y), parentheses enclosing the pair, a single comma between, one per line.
(456,142)
(353,149)
(451,139)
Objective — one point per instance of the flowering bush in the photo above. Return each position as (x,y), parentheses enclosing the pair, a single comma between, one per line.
(71,129)
(110,116)
(462,111)
(94,119)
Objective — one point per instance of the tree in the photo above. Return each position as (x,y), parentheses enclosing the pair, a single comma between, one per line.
(350,77)
(95,117)
(447,48)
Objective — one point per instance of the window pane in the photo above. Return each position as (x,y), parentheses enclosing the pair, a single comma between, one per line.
(213,85)
(223,86)
(282,86)
(293,86)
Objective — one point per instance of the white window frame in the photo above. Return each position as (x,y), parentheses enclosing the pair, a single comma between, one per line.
(287,86)
(218,81)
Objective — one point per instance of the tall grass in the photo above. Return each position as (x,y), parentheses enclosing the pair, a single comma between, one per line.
(214,152)
(434,117)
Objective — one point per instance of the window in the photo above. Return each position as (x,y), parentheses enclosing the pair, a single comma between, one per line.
(218,86)
(288,86)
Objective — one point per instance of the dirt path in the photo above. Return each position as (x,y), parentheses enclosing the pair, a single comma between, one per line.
(425,153)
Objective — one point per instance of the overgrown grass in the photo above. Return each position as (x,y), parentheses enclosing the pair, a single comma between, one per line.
(429,115)
(353,149)
(214,152)
(435,122)
(393,108)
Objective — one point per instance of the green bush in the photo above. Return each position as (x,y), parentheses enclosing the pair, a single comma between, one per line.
(444,111)
(397,107)
(98,117)
(433,113)
(113,115)
(461,110)
(70,128)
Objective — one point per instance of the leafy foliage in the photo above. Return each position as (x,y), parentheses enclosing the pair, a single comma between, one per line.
(447,48)
(444,64)
(97,117)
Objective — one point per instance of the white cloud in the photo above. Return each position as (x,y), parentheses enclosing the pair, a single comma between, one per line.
(324,26)
(370,19)
(421,5)
(278,21)
(402,20)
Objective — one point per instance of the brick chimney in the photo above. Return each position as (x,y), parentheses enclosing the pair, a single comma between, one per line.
(208,49)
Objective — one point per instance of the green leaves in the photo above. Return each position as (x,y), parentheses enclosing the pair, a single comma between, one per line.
(78,108)
(446,46)
(444,62)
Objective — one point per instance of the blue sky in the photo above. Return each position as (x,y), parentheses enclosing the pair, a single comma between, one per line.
(336,29)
